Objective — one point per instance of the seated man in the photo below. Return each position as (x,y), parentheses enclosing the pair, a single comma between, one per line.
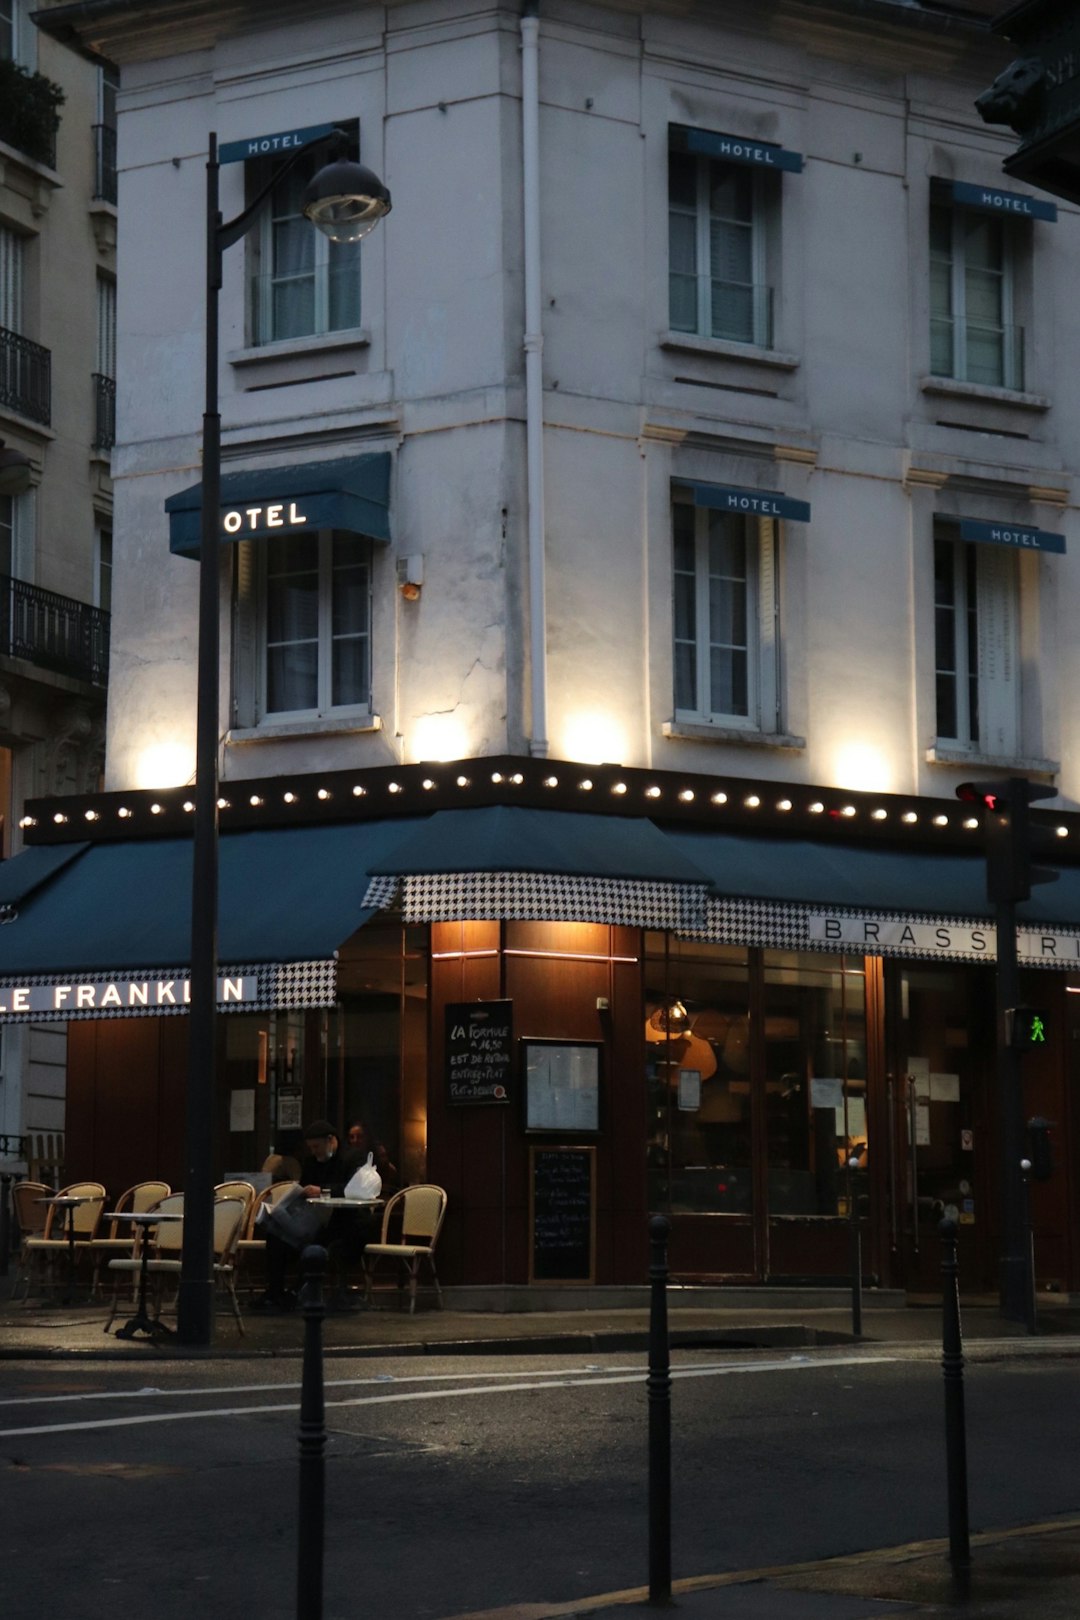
(326,1168)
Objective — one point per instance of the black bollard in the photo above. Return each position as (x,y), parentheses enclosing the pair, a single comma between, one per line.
(311,1529)
(659,1393)
(1031,1304)
(952,1367)
(856,1250)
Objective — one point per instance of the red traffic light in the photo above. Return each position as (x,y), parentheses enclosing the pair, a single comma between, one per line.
(986,793)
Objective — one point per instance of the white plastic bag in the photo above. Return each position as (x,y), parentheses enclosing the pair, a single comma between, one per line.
(366,1183)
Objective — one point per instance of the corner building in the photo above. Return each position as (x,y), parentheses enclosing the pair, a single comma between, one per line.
(614,593)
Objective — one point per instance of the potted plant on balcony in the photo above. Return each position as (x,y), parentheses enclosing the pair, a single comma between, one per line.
(29,112)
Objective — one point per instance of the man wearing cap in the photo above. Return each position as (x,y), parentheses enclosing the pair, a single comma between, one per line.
(326,1168)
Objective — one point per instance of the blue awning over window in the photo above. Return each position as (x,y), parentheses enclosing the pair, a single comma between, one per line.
(734,148)
(351,494)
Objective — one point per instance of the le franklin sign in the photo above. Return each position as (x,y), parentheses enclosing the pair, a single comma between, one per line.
(84,997)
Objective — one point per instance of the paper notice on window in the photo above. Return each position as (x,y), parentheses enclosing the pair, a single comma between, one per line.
(945,1088)
(918,1069)
(689,1089)
(826,1093)
(922,1124)
(241,1111)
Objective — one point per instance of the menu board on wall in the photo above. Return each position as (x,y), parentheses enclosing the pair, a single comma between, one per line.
(562,1085)
(479,1051)
(562,1214)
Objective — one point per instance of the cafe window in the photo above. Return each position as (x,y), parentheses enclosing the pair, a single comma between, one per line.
(815,1080)
(301,283)
(303,627)
(697,1066)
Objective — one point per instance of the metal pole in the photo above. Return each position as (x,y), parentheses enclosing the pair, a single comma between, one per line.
(659,1394)
(195,1302)
(1013,1265)
(1031,1301)
(311,1537)
(952,1367)
(856,1251)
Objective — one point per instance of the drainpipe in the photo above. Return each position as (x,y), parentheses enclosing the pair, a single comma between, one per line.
(534,379)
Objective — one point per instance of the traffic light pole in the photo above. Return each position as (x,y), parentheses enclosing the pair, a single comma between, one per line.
(1013,1275)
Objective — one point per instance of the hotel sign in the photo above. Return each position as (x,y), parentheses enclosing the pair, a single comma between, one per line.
(1017,535)
(746,502)
(991,200)
(83,996)
(257,519)
(284,142)
(879,935)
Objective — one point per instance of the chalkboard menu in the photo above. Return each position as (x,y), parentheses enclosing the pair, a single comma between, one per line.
(562,1214)
(479,1051)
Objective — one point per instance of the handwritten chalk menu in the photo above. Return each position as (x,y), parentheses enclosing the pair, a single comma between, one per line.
(479,1051)
(562,1214)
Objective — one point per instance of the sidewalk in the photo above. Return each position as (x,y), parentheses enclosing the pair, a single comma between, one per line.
(1016,1574)
(777,1319)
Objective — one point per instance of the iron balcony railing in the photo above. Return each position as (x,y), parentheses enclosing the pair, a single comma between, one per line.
(25,377)
(104,163)
(104,412)
(54,632)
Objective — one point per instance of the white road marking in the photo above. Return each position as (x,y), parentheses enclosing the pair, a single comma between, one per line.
(636,1375)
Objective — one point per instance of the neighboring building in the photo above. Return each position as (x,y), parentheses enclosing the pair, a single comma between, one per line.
(57,324)
(806,431)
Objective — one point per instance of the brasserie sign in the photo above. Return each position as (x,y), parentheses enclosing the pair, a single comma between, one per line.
(879,935)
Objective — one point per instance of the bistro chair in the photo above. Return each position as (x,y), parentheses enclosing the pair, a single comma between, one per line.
(281,1167)
(252,1242)
(52,1245)
(31,1216)
(236,1189)
(168,1240)
(421,1210)
(228,1218)
(119,1240)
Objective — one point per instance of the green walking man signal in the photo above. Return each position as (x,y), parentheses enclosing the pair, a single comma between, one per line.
(1025,1028)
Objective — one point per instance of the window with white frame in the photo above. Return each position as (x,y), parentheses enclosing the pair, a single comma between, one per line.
(717,249)
(974,334)
(16,535)
(302,284)
(725,618)
(12,258)
(103,566)
(976,627)
(18,36)
(303,627)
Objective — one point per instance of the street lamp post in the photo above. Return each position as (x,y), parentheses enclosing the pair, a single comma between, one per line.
(345,201)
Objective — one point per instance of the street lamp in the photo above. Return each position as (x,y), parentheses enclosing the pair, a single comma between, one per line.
(344,201)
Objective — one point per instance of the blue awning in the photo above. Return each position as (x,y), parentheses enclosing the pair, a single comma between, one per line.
(289,894)
(352,495)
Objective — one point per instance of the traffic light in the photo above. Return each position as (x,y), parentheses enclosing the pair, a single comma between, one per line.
(1009,835)
(1025,1028)
(1040,1151)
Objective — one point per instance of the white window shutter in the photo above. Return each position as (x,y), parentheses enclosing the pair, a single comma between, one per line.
(768,651)
(11,280)
(999,677)
(106,327)
(245,648)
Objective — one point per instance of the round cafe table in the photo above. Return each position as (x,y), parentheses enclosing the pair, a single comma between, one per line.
(69,1203)
(341,1299)
(141,1322)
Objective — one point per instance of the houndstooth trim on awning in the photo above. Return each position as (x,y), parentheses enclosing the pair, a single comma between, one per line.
(52,998)
(912,935)
(542,897)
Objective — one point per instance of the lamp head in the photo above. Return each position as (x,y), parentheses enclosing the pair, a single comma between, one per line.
(345,201)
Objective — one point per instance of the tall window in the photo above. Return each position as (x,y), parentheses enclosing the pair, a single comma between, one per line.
(103,548)
(973,332)
(716,246)
(7,30)
(724,618)
(7,533)
(976,655)
(315,624)
(16,535)
(303,285)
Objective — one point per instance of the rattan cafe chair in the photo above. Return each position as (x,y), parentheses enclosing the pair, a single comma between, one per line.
(421,1210)
(32,1217)
(251,1244)
(119,1241)
(85,1220)
(228,1219)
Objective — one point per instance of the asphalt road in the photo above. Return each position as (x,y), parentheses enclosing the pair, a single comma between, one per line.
(463,1485)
